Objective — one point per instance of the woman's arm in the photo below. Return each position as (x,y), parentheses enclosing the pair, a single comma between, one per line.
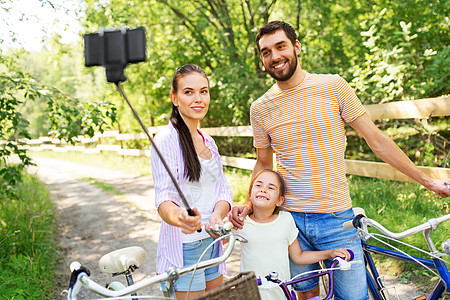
(176,216)
(220,212)
(301,257)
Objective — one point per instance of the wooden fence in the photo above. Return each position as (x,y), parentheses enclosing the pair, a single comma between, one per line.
(415,109)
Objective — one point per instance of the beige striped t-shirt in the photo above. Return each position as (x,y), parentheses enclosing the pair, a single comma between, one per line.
(304,125)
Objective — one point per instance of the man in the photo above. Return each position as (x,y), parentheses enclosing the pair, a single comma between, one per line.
(301,118)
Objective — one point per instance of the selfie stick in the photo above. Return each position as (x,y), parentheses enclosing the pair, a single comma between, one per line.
(115,50)
(186,204)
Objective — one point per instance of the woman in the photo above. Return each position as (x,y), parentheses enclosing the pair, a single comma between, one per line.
(193,159)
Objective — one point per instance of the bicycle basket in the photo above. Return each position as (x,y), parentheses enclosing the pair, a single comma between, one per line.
(241,287)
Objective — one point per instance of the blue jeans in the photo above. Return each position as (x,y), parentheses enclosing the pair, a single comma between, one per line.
(325,232)
(191,254)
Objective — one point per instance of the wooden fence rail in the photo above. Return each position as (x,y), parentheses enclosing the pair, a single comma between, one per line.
(415,109)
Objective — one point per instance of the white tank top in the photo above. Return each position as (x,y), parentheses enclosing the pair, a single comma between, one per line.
(202,195)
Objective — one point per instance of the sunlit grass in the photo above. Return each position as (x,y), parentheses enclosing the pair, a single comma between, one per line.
(103,186)
(399,206)
(28,253)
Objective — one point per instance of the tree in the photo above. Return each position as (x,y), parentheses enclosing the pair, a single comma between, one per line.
(69,116)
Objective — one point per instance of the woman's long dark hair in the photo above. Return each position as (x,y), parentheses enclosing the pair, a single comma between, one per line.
(191,161)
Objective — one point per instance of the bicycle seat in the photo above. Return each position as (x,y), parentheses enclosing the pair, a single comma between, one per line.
(120,261)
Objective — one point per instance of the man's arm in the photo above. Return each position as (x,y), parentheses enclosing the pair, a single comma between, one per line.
(385,148)
(264,160)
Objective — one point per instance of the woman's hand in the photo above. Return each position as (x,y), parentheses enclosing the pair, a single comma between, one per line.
(189,224)
(213,220)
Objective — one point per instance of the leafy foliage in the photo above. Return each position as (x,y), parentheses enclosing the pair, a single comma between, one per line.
(395,68)
(69,118)
(389,51)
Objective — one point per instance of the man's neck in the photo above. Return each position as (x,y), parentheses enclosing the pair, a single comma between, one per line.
(296,78)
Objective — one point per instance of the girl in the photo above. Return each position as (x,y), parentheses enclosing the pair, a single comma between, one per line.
(193,159)
(272,235)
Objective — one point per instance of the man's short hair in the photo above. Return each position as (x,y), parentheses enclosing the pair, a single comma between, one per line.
(273,26)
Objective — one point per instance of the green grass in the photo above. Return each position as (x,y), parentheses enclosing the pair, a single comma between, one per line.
(101,185)
(399,206)
(28,254)
(239,181)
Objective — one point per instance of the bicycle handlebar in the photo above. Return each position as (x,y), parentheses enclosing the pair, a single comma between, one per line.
(80,275)
(361,221)
(337,263)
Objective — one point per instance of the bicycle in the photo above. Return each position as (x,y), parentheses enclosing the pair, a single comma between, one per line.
(125,261)
(337,264)
(375,284)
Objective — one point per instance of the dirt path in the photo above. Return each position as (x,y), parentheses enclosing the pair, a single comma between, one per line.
(93,223)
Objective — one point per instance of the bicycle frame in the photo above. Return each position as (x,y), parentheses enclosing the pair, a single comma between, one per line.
(343,265)
(328,273)
(377,287)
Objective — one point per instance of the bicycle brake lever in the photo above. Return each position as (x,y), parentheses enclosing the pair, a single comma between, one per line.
(343,264)
(346,265)
(220,229)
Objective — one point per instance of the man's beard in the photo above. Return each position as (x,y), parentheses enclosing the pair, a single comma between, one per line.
(288,75)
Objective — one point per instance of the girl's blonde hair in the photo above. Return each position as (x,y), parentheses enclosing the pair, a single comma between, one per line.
(282,187)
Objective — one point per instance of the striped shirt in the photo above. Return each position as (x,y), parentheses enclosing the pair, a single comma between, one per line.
(304,125)
(170,247)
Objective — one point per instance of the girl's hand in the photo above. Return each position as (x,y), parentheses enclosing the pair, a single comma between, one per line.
(189,224)
(341,252)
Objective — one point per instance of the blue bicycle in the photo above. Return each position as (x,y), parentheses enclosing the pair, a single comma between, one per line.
(435,264)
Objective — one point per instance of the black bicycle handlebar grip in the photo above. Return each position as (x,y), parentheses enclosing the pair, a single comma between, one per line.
(75,273)
(192,214)
(356,220)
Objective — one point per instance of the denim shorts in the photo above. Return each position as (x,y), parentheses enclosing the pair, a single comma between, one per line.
(325,232)
(191,253)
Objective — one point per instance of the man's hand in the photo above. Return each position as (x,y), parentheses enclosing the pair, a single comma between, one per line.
(440,187)
(238,214)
